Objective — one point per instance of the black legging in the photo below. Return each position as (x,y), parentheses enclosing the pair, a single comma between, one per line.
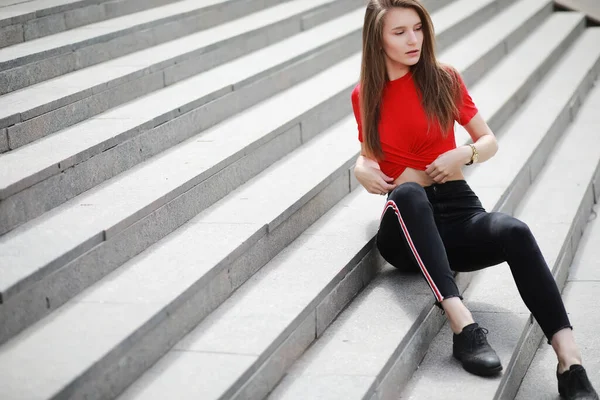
(443,228)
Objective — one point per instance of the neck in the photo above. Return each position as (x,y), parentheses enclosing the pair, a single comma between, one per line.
(395,70)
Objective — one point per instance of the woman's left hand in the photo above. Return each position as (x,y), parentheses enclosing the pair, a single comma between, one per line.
(448,164)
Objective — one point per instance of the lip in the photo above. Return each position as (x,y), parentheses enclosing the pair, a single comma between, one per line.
(412,52)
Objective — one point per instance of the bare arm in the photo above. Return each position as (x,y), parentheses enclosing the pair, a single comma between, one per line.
(449,163)
(483,138)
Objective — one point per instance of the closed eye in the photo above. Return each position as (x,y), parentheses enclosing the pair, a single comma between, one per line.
(418,28)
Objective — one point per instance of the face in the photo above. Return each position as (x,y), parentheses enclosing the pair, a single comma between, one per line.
(402,37)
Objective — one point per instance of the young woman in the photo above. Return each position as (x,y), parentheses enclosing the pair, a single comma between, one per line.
(405,107)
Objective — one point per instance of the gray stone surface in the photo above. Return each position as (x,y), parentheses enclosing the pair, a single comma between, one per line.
(586,264)
(3,141)
(346,290)
(322,387)
(368,331)
(10,35)
(596,186)
(23,76)
(71,40)
(520,361)
(43,159)
(478,11)
(181,368)
(45,97)
(44,26)
(305,219)
(550,100)
(505,293)
(287,231)
(331,28)
(122,7)
(394,380)
(210,229)
(117,38)
(326,113)
(567,152)
(124,363)
(112,224)
(476,53)
(85,15)
(440,375)
(267,377)
(327,12)
(251,298)
(38,127)
(68,144)
(540,380)
(19,11)
(508,80)
(39,299)
(70,325)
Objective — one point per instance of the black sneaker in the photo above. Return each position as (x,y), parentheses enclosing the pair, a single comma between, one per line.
(574,384)
(472,349)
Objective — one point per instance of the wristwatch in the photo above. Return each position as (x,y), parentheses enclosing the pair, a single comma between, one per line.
(474,156)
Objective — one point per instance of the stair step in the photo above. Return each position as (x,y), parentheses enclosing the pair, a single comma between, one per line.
(158,381)
(272,317)
(565,89)
(553,37)
(137,208)
(79,158)
(22,20)
(493,291)
(581,289)
(40,110)
(31,62)
(195,153)
(67,241)
(175,60)
(491,42)
(238,235)
(403,325)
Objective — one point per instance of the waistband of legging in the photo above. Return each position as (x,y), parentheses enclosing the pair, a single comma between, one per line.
(447,189)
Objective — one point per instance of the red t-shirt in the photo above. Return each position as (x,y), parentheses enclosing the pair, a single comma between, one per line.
(403,127)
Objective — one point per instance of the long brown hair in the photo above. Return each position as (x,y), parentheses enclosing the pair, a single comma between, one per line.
(438,85)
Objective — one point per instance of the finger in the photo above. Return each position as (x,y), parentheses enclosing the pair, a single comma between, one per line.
(385,177)
(430,168)
(389,188)
(381,189)
(441,178)
(436,172)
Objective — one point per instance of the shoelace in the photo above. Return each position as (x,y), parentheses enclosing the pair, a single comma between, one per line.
(479,336)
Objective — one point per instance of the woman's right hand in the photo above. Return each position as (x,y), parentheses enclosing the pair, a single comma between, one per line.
(369,175)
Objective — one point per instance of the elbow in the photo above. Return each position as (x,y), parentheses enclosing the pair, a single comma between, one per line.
(495,146)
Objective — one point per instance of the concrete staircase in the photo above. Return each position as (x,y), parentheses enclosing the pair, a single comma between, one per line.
(178,216)
(581,288)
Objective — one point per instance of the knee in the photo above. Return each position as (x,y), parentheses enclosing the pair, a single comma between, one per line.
(512,229)
(409,193)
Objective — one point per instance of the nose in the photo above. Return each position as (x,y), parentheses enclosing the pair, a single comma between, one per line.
(412,37)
